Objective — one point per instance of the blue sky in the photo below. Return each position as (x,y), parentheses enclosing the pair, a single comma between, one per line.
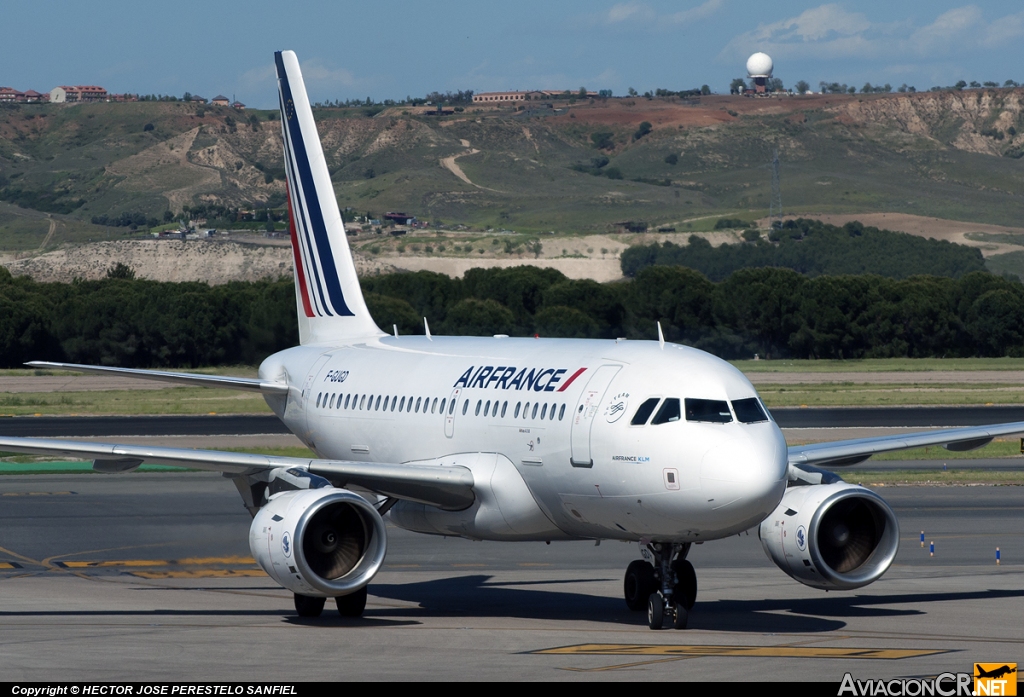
(393,48)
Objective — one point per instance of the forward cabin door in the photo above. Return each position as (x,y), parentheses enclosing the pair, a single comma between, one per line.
(449,414)
(586,410)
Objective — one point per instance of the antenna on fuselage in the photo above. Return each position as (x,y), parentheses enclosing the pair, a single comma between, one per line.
(396,330)
(427,327)
(661,337)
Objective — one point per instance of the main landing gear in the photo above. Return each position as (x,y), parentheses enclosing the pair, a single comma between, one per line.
(351,605)
(667,590)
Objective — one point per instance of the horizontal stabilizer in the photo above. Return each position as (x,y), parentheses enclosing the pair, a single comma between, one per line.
(194,379)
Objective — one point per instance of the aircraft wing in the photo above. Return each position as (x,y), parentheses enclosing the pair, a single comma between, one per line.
(850,452)
(194,379)
(448,487)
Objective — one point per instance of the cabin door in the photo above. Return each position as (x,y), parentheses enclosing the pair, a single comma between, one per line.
(586,410)
(449,414)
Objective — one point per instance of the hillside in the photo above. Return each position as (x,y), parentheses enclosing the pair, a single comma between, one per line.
(952,155)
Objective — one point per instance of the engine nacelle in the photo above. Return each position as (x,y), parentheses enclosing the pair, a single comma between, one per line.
(319,542)
(835,536)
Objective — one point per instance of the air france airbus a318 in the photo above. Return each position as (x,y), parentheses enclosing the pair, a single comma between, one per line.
(503,438)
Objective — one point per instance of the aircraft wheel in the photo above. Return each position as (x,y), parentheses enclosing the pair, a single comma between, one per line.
(686,590)
(655,611)
(638,584)
(353,604)
(309,606)
(680,617)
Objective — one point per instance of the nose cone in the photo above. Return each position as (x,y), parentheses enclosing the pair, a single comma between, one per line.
(743,478)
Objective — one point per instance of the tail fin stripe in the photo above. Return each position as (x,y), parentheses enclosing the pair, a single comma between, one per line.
(298,259)
(308,255)
(324,256)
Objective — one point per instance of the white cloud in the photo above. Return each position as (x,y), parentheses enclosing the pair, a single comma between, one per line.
(959,25)
(314,71)
(1004,30)
(635,11)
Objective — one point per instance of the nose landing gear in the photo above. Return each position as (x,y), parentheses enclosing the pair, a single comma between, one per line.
(668,589)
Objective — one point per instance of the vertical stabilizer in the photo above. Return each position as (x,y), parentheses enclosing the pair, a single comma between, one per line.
(327,293)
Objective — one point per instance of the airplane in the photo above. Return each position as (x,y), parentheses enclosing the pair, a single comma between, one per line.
(505,438)
(996,673)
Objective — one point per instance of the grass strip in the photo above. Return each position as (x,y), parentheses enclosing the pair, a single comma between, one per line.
(847,394)
(951,477)
(172,400)
(879,365)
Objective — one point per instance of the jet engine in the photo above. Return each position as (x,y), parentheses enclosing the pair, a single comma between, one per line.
(835,536)
(319,542)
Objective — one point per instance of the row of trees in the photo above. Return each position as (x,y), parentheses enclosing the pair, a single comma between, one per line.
(813,248)
(771,311)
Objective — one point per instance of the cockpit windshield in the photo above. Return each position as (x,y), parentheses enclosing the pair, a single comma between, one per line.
(749,410)
(709,410)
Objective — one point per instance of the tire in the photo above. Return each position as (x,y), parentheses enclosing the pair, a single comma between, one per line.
(655,611)
(685,591)
(638,585)
(680,617)
(309,606)
(353,604)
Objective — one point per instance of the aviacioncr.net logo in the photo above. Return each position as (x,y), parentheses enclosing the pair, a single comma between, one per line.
(944,685)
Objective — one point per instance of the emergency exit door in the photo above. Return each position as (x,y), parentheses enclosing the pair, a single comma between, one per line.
(585,411)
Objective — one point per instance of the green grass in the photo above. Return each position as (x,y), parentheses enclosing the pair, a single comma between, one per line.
(879,365)
(898,394)
(171,400)
(936,478)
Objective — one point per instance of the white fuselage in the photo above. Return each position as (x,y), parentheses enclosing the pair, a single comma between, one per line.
(545,425)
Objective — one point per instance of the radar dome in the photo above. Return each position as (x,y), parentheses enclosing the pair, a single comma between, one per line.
(759,65)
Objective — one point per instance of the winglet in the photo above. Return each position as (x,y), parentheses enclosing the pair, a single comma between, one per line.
(427,328)
(661,337)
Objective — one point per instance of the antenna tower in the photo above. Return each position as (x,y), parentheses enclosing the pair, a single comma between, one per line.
(775,206)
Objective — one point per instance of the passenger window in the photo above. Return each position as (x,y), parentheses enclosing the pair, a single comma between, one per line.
(318,399)
(504,406)
(552,416)
(478,403)
(376,407)
(709,410)
(534,411)
(749,410)
(433,406)
(487,407)
(337,405)
(362,403)
(644,412)
(465,406)
(543,412)
(669,412)
(516,414)
(401,405)
(561,412)
(418,400)
(526,410)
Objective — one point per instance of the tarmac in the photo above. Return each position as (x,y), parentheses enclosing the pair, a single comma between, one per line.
(148,576)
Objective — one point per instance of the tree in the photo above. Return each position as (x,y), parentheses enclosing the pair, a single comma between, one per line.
(632,92)
(705,90)
(602,140)
(645,128)
(960,85)
(582,94)
(737,85)
(802,87)
(535,247)
(121,270)
(775,85)
(671,158)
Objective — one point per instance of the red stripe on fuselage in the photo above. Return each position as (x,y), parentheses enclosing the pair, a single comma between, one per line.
(569,381)
(298,260)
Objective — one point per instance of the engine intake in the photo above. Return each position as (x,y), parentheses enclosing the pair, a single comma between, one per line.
(834,536)
(321,542)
